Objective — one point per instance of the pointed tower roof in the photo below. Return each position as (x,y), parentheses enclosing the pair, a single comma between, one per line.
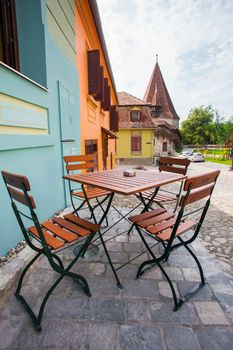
(157,93)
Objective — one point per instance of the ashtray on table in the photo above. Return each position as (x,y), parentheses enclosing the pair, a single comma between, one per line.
(129,173)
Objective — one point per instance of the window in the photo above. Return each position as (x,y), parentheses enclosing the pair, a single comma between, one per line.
(136,143)
(135,115)
(9,52)
(90,148)
(164,146)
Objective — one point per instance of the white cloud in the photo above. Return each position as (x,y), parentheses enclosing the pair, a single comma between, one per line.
(194,40)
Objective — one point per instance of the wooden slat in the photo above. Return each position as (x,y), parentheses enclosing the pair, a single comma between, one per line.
(50,240)
(197,194)
(147,215)
(154,220)
(93,193)
(81,222)
(177,161)
(162,226)
(172,169)
(20,197)
(159,197)
(183,227)
(201,180)
(16,180)
(79,158)
(164,198)
(80,166)
(71,227)
(58,231)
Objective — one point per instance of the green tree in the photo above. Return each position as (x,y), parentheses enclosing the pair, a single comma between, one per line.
(197,128)
(228,129)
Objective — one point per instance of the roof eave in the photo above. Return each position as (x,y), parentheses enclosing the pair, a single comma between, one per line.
(96,16)
(134,104)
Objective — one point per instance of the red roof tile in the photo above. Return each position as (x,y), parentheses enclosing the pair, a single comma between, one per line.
(126,99)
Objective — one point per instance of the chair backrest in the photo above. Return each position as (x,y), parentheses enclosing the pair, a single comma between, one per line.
(80,162)
(195,188)
(174,165)
(18,187)
(198,187)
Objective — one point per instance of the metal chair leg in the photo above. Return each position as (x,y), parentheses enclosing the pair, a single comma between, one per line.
(110,261)
(25,271)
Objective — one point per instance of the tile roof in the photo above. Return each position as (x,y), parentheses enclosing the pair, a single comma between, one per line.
(128,100)
(157,93)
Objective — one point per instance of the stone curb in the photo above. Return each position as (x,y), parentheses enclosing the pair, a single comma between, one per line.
(9,273)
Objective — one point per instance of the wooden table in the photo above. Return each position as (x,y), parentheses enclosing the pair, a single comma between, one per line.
(116,182)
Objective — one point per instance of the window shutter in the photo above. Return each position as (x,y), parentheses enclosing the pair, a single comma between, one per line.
(8,33)
(94,73)
(132,144)
(139,143)
(113,119)
(107,96)
(100,95)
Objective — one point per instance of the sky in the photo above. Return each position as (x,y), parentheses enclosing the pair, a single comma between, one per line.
(194,43)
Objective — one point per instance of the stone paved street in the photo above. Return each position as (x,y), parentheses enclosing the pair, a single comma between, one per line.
(139,316)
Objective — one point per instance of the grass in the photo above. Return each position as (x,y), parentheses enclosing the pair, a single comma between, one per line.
(219,160)
(216,151)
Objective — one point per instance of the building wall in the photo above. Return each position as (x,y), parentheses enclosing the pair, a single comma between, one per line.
(92,116)
(30,115)
(158,146)
(61,24)
(124,144)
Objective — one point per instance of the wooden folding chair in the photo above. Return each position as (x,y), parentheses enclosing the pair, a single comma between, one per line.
(84,193)
(172,165)
(167,227)
(51,236)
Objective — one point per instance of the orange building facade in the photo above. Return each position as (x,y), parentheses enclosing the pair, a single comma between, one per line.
(95,131)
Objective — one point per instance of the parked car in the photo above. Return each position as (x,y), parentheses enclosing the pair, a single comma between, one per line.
(185,155)
(197,157)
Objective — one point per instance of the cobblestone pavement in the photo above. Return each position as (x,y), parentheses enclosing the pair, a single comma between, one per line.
(139,316)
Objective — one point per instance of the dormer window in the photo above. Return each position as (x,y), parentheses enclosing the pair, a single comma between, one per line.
(135,116)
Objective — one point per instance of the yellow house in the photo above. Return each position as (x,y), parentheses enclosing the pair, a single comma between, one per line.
(148,128)
(135,135)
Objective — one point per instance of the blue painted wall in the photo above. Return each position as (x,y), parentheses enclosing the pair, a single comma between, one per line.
(37,157)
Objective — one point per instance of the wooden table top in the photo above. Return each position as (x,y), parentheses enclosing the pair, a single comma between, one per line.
(115,181)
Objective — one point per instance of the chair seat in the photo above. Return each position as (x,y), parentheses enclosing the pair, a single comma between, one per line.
(160,222)
(59,231)
(91,193)
(161,198)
